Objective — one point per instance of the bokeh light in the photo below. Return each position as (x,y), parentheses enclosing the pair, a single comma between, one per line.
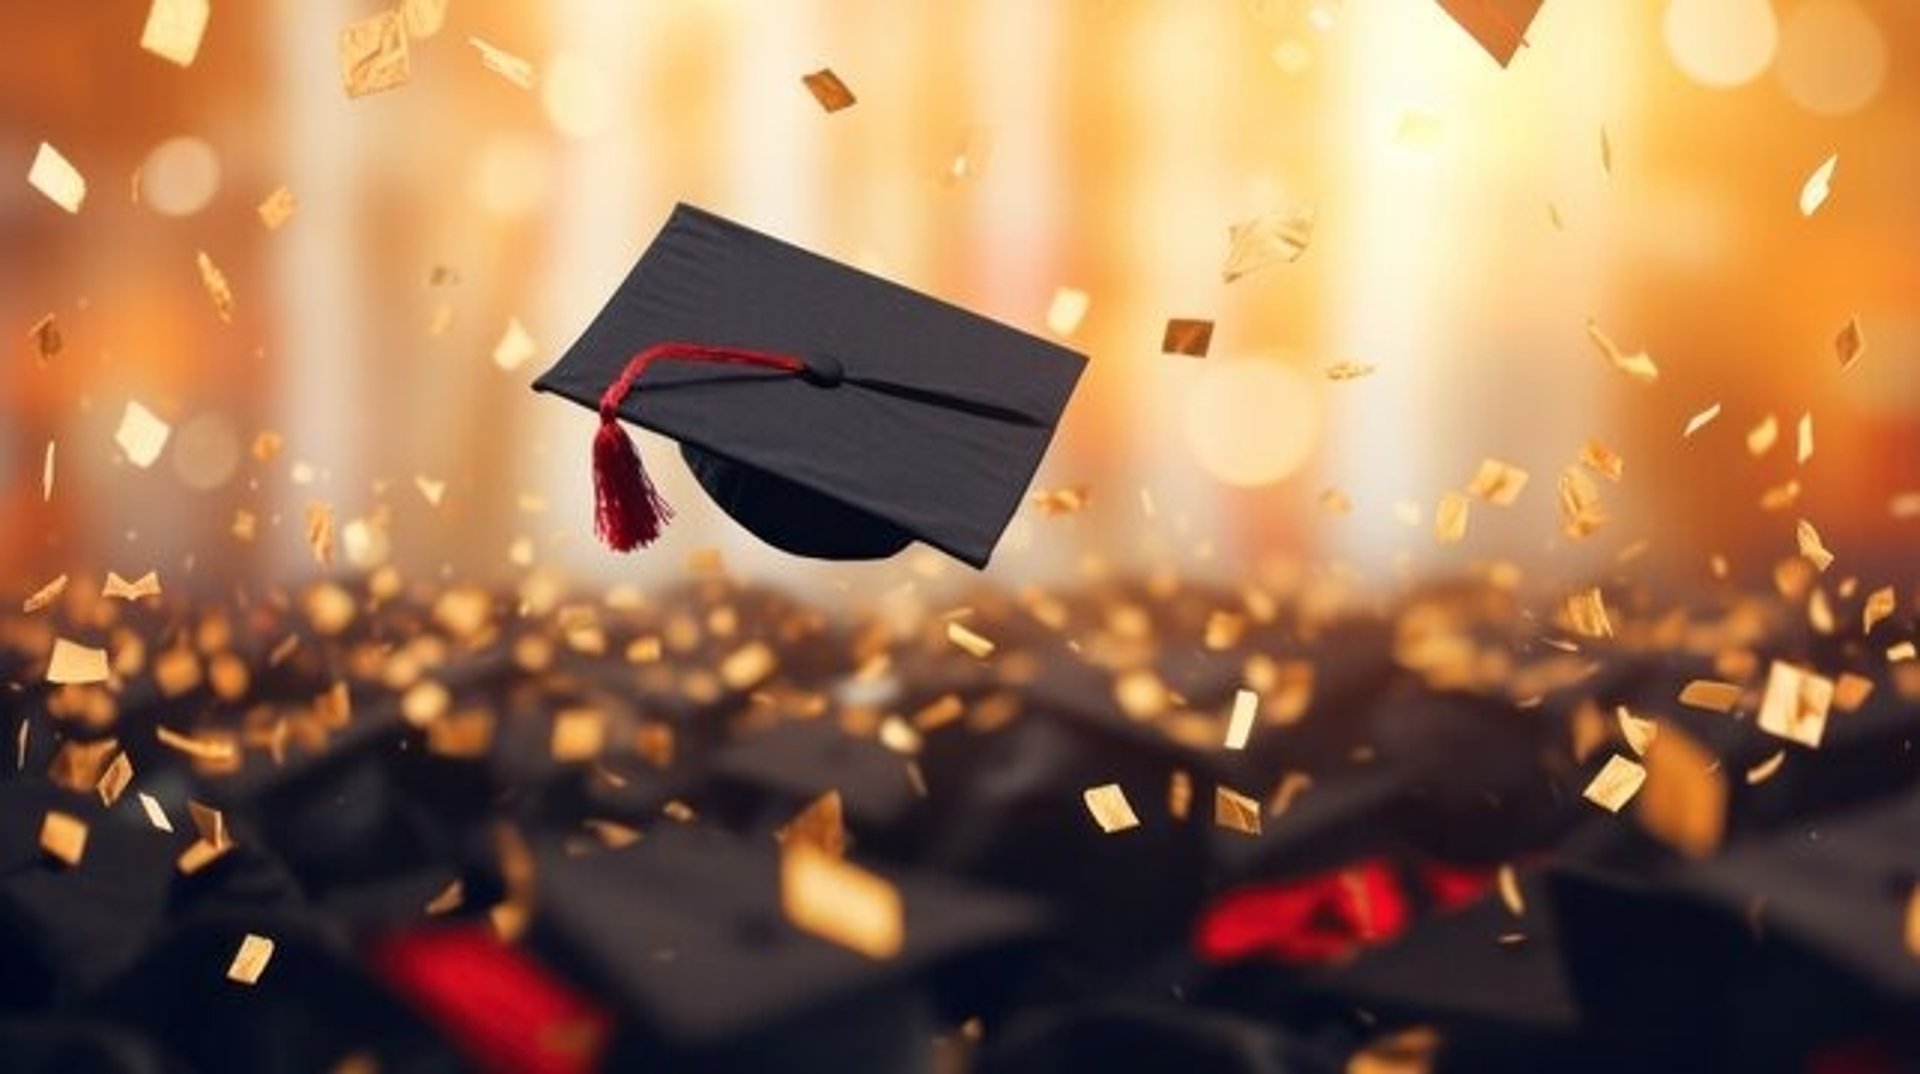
(180,176)
(1722,43)
(576,97)
(206,451)
(1833,57)
(1253,421)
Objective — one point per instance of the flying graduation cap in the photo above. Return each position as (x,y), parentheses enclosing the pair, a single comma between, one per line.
(832,413)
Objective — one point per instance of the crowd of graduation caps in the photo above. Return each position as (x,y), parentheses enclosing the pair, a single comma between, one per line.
(1364,912)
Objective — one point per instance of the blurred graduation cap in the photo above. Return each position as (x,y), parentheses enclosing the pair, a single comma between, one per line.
(684,933)
(832,413)
(1499,25)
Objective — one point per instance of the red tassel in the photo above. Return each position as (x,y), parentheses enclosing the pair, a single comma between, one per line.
(628,512)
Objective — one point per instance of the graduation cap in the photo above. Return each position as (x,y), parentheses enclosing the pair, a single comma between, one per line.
(832,413)
(1499,25)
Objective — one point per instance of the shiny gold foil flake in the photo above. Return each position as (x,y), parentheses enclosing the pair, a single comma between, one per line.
(73,663)
(1700,420)
(118,588)
(198,855)
(503,63)
(1450,518)
(46,338)
(1272,239)
(1851,691)
(63,837)
(1246,707)
(141,435)
(1710,694)
(174,28)
(1639,731)
(210,823)
(1066,311)
(1602,460)
(250,961)
(965,639)
(1223,631)
(1288,791)
(1819,186)
(1587,614)
(1762,437)
(1498,483)
(1345,370)
(1849,344)
(1901,652)
(827,89)
(1795,704)
(1765,770)
(427,701)
(1508,884)
(1235,811)
(1639,366)
(1066,501)
(1109,807)
(277,208)
(516,347)
(1780,497)
(749,666)
(114,781)
(1188,337)
(1878,607)
(156,815)
(373,54)
(424,18)
(821,825)
(1580,510)
(1911,931)
(46,475)
(1811,547)
(1179,794)
(1820,613)
(1615,784)
(1684,801)
(841,902)
(51,174)
(1803,449)
(1606,152)
(44,596)
(579,734)
(320,532)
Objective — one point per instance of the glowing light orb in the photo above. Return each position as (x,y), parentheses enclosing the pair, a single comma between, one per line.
(1833,57)
(1253,421)
(1721,43)
(576,97)
(206,451)
(179,177)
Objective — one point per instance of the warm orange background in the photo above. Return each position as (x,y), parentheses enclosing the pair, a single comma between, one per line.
(999,150)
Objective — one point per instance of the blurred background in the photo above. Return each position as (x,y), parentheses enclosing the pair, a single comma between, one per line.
(1639,166)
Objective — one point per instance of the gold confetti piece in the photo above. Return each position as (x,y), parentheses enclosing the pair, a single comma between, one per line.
(973,644)
(1795,704)
(1223,632)
(373,54)
(1288,791)
(1684,801)
(516,348)
(1639,367)
(1602,460)
(1851,692)
(1615,784)
(1850,344)
(1710,694)
(1067,501)
(1498,483)
(44,596)
(1235,811)
(1587,613)
(47,339)
(579,734)
(73,663)
(1188,337)
(1764,771)
(320,532)
(60,181)
(1804,449)
(210,823)
(215,283)
(63,836)
(424,702)
(156,815)
(1450,518)
(424,18)
(1066,311)
(821,825)
(1412,1050)
(198,855)
(1509,884)
(213,750)
(1762,437)
(1818,186)
(1781,496)
(114,781)
(1639,731)
(430,490)
(1110,809)
(1246,705)
(1700,421)
(1810,545)
(46,475)
(504,63)
(1900,652)
(939,712)
(277,208)
(1912,930)
(174,28)
(250,961)
(841,902)
(147,585)
(1606,152)
(1179,794)
(1272,239)
(1348,371)
(451,898)
(1879,605)
(827,88)
(1580,510)
(748,666)
(141,435)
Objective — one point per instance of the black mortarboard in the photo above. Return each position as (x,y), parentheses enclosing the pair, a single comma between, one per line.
(832,413)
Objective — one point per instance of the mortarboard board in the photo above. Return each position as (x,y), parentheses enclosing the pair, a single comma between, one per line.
(830,412)
(1499,25)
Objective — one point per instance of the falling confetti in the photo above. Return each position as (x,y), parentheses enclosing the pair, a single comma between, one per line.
(1819,186)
